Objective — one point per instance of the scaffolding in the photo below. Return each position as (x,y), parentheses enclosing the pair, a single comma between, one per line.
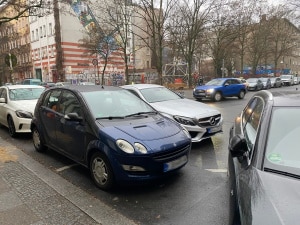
(175,75)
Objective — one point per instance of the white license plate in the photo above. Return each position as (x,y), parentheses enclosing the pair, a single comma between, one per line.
(214,129)
(175,163)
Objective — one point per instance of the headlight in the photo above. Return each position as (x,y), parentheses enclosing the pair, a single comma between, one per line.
(210,91)
(184,120)
(125,146)
(24,114)
(140,148)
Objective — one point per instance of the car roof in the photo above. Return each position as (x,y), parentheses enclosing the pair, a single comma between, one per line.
(281,98)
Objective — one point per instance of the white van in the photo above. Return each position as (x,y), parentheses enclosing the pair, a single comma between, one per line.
(287,79)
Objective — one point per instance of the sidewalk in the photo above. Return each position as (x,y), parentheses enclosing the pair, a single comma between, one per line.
(31,194)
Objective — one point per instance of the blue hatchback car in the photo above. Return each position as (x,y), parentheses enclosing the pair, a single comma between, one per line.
(220,88)
(109,130)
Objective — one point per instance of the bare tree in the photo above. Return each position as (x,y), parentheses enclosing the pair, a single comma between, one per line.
(155,14)
(187,27)
(220,36)
(99,41)
(20,8)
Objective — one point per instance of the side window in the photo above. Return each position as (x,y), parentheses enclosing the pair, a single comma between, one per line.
(3,93)
(251,120)
(52,100)
(69,104)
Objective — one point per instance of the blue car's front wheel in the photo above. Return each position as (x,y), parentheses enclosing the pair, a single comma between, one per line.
(101,171)
(217,97)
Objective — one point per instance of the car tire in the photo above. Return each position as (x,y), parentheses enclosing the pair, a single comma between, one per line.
(217,97)
(37,142)
(241,95)
(101,171)
(11,127)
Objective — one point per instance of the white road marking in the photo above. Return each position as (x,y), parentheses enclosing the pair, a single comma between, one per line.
(217,170)
(65,168)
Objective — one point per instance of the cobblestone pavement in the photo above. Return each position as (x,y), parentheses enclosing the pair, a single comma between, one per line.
(30,194)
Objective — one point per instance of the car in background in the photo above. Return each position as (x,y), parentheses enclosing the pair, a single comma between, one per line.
(118,136)
(48,84)
(244,81)
(255,84)
(287,79)
(296,80)
(266,82)
(31,81)
(220,88)
(60,84)
(276,82)
(264,160)
(86,83)
(201,120)
(17,103)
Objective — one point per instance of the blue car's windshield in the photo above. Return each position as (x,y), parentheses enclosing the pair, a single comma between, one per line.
(282,150)
(215,82)
(109,103)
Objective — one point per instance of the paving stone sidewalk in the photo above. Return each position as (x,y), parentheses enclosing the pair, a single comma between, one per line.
(31,194)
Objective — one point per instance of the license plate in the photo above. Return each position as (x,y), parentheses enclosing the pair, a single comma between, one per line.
(175,163)
(214,129)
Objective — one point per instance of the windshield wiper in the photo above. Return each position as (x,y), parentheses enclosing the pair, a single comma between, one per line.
(141,113)
(282,173)
(110,117)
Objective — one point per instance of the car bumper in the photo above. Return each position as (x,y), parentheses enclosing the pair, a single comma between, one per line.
(198,133)
(151,166)
(22,125)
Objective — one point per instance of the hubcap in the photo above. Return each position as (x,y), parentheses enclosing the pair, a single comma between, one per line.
(36,139)
(100,171)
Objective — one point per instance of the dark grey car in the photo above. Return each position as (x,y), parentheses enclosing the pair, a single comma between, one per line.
(264,160)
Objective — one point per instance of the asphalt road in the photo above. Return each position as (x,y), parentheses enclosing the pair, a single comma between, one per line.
(197,194)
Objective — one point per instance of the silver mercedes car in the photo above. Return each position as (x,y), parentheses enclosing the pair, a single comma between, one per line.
(201,120)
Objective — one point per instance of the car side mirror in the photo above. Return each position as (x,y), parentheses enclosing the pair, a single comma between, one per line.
(2,100)
(238,146)
(73,116)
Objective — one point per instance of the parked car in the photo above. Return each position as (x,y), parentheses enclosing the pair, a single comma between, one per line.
(287,79)
(266,82)
(220,88)
(60,84)
(244,81)
(296,80)
(201,120)
(32,81)
(255,84)
(47,84)
(264,160)
(17,104)
(276,82)
(118,136)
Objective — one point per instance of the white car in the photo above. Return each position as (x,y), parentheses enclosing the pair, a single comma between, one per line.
(201,120)
(17,103)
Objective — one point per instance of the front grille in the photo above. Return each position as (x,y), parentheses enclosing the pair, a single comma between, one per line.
(209,121)
(170,155)
(199,91)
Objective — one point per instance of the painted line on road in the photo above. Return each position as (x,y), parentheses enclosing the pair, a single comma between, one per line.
(217,170)
(65,168)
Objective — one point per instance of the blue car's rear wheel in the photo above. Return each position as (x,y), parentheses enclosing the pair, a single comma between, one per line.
(101,171)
